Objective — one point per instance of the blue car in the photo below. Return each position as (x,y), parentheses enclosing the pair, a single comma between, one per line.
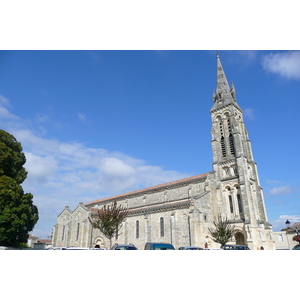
(159,246)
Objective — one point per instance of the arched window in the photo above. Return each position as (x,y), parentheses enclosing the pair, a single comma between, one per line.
(137,229)
(223,146)
(231,144)
(162,227)
(230,204)
(78,227)
(63,232)
(239,202)
(231,140)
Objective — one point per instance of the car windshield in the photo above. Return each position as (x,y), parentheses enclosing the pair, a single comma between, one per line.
(297,247)
(227,247)
(125,248)
(163,247)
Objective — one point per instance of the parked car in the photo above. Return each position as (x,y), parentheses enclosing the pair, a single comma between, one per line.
(235,247)
(83,248)
(124,247)
(56,248)
(213,249)
(78,248)
(297,247)
(190,248)
(158,246)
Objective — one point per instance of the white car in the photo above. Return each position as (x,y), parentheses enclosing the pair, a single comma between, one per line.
(56,248)
(190,248)
(83,248)
(213,249)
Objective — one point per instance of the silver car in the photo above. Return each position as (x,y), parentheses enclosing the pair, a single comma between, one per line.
(235,247)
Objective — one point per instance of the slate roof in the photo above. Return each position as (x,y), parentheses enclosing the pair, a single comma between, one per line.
(44,241)
(294,226)
(152,207)
(156,187)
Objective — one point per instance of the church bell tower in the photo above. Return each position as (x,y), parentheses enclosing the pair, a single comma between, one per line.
(240,195)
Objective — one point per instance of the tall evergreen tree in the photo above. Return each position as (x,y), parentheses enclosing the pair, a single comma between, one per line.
(18,215)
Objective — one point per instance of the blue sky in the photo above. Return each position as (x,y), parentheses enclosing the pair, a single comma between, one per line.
(99,123)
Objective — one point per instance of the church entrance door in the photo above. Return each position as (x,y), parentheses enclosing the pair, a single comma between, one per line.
(239,239)
(99,242)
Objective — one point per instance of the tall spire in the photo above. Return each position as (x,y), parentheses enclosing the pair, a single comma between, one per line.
(222,83)
(224,94)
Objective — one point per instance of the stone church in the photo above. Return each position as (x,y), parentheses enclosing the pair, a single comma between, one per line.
(180,212)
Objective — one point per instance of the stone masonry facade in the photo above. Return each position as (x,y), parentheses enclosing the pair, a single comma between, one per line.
(181,212)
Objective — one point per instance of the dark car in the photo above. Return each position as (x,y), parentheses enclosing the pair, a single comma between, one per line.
(297,247)
(190,248)
(159,246)
(124,247)
(235,247)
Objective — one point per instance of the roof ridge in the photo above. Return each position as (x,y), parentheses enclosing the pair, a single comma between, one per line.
(149,188)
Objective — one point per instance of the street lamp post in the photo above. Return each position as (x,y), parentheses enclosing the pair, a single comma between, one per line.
(288,226)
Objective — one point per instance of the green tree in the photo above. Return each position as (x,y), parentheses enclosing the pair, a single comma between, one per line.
(109,220)
(18,215)
(222,232)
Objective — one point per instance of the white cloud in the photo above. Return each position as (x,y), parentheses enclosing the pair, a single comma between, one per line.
(281,190)
(115,167)
(42,118)
(249,55)
(291,218)
(243,57)
(279,223)
(63,174)
(82,117)
(5,114)
(271,181)
(285,64)
(66,173)
(39,168)
(249,113)
(94,55)
(4,101)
